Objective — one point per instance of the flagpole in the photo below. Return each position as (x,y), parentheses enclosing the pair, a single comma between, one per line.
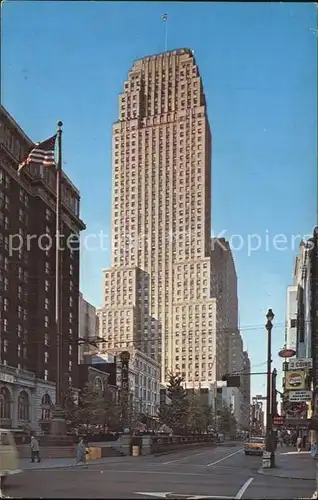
(165,20)
(58,302)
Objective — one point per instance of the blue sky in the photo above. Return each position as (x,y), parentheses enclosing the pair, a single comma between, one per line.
(68,61)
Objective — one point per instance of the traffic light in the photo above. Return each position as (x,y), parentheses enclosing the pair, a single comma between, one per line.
(232,380)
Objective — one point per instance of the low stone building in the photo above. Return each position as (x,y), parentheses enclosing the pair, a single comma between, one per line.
(25,401)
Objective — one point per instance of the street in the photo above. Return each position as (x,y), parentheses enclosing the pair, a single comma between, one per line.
(221,472)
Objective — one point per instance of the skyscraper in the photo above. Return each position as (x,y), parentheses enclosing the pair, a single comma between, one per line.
(158,292)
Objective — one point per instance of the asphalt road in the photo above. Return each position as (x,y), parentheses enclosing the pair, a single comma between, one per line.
(215,473)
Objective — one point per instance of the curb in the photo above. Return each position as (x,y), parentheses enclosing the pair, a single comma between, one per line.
(55,467)
(262,473)
(68,466)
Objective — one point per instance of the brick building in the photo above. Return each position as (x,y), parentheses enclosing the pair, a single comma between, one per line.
(27,262)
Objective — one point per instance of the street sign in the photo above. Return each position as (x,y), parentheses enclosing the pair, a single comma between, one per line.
(300,396)
(278,420)
(300,364)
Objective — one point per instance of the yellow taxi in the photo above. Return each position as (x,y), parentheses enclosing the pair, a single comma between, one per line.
(255,446)
(9,461)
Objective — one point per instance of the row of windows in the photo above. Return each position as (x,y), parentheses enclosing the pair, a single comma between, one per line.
(173,134)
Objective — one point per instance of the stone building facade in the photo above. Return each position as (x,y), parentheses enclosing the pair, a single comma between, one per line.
(25,401)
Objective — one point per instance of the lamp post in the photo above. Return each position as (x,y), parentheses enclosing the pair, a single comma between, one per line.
(269,431)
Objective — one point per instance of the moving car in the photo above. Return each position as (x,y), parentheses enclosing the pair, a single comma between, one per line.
(255,446)
(8,456)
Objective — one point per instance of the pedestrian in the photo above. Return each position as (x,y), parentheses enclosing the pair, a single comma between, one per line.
(35,450)
(80,452)
(299,443)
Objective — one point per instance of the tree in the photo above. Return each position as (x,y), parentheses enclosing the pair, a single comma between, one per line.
(228,422)
(94,407)
(209,417)
(175,413)
(200,415)
(127,410)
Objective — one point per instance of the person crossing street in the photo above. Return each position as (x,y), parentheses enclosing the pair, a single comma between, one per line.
(35,450)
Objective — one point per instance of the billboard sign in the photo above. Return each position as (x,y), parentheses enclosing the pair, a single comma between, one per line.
(300,396)
(295,380)
(300,364)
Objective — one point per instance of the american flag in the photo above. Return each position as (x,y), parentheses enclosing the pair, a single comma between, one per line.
(43,153)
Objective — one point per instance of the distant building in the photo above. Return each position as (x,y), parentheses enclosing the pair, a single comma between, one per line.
(303,273)
(246,391)
(236,366)
(88,326)
(257,418)
(224,289)
(99,378)
(144,379)
(291,316)
(104,362)
(232,398)
(314,314)
(164,398)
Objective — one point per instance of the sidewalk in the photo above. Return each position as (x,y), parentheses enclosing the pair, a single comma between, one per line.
(292,465)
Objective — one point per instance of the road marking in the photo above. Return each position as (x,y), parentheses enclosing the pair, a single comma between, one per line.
(158,495)
(241,492)
(185,458)
(225,458)
(165,473)
(177,495)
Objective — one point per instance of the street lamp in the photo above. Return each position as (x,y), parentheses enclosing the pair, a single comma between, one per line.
(269,437)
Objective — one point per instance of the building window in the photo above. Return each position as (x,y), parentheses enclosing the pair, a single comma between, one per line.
(5,403)
(23,406)
(98,384)
(46,404)
(293,323)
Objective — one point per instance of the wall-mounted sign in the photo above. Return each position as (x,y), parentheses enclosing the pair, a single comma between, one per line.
(300,396)
(295,380)
(125,356)
(300,364)
(278,420)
